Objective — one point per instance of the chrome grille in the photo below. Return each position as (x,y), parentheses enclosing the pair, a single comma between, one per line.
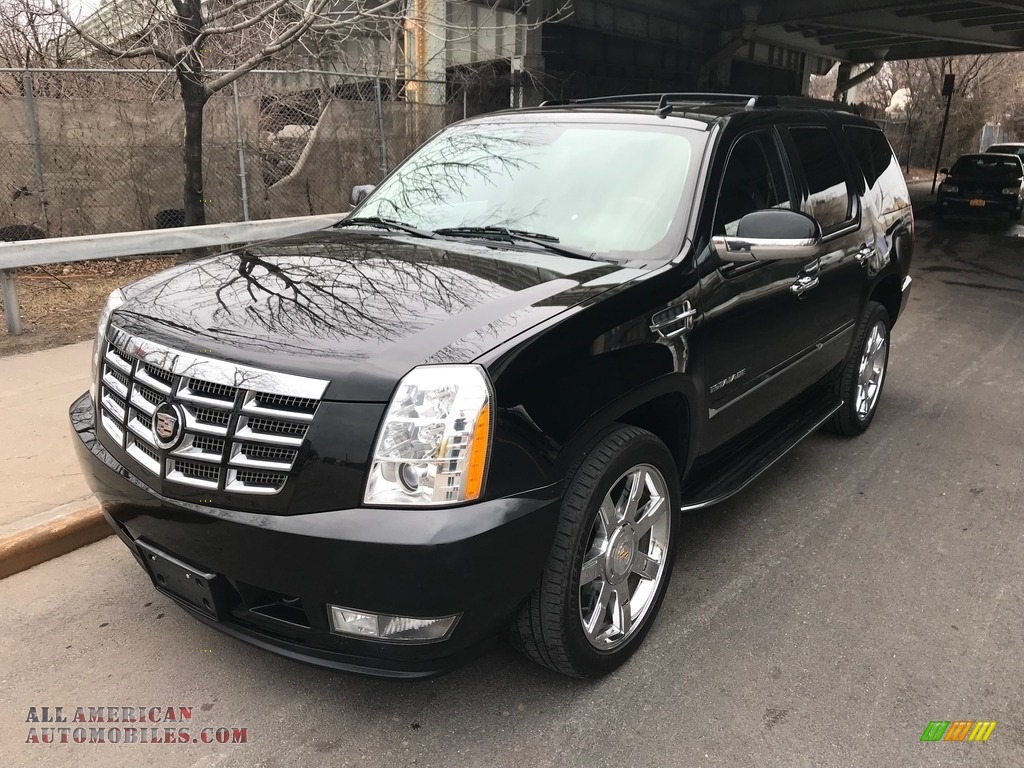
(243,426)
(210,416)
(266,482)
(267,400)
(158,374)
(267,453)
(276,427)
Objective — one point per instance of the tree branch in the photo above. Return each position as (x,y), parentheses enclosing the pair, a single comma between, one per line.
(120,53)
(310,13)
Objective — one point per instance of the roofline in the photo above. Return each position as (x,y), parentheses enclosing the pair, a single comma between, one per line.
(665,102)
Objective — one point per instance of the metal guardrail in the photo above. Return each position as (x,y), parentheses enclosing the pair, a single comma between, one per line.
(61,250)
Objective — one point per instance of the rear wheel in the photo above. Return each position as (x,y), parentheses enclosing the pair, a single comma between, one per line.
(859,382)
(611,560)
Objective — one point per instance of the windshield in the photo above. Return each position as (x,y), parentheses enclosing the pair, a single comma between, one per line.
(1007,149)
(614,190)
(991,166)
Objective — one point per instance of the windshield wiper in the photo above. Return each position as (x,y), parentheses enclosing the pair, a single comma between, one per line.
(381,223)
(548,242)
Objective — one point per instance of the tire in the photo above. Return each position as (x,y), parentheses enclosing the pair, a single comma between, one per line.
(862,395)
(562,626)
(1015,214)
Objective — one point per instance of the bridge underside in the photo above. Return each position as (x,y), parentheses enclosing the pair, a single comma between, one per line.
(772,46)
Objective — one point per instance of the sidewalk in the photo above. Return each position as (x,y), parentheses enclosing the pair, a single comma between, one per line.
(44,498)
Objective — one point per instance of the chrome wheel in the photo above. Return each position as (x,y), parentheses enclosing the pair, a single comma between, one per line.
(625,558)
(872,370)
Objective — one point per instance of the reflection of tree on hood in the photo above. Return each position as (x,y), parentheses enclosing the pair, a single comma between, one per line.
(333,288)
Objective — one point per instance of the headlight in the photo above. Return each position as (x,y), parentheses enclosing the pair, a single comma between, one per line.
(950,188)
(1011,190)
(115,300)
(434,443)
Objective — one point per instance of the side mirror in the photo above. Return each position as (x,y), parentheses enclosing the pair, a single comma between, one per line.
(944,171)
(774,234)
(360,192)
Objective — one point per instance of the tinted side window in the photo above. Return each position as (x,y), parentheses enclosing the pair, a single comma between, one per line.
(885,185)
(754,179)
(818,154)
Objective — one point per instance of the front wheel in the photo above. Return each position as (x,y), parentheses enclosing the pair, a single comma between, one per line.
(859,382)
(611,559)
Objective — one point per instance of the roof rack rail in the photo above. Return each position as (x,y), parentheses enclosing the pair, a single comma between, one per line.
(665,101)
(701,98)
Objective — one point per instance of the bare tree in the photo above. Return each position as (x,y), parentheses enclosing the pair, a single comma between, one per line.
(209,44)
(32,34)
(911,91)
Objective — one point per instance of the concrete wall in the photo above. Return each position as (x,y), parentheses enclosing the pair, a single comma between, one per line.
(110,166)
(344,151)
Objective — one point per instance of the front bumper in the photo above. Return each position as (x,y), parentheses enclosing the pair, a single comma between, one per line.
(993,203)
(277,573)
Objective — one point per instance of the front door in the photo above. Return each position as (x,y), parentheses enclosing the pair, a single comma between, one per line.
(757,320)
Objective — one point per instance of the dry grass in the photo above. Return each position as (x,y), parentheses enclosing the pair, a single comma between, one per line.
(60,303)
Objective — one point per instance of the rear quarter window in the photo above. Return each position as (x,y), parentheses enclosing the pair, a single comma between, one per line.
(818,154)
(884,186)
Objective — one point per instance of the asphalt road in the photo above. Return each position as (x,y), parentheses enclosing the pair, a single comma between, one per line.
(821,618)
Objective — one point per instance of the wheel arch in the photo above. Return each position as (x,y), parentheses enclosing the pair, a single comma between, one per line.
(663,407)
(888,293)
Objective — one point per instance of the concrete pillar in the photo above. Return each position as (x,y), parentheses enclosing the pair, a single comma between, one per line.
(842,80)
(427,38)
(805,76)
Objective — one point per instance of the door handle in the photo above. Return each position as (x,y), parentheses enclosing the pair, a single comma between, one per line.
(803,284)
(866,252)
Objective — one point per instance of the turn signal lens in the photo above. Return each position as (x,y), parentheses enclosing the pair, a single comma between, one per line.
(435,440)
(478,454)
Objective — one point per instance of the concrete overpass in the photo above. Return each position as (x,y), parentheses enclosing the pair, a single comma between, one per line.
(610,46)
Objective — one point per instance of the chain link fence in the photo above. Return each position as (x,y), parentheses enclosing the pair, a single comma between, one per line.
(95,151)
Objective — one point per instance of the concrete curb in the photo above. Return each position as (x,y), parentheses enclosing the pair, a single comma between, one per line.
(56,536)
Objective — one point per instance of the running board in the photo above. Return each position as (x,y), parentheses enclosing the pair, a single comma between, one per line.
(758,455)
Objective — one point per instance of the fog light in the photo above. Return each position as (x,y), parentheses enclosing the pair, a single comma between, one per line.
(382,626)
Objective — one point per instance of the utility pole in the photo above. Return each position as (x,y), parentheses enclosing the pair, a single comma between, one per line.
(947,91)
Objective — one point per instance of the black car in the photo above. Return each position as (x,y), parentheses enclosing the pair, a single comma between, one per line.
(983,182)
(482,401)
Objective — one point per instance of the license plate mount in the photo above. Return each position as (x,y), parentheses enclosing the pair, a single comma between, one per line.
(192,585)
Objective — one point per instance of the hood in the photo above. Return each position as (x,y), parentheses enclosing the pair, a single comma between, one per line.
(984,179)
(360,310)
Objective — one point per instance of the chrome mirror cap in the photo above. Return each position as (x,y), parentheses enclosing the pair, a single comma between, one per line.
(774,234)
(744,250)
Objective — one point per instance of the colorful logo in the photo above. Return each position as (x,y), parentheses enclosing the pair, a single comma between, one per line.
(958,730)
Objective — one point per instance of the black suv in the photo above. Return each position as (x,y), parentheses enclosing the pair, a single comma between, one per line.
(482,401)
